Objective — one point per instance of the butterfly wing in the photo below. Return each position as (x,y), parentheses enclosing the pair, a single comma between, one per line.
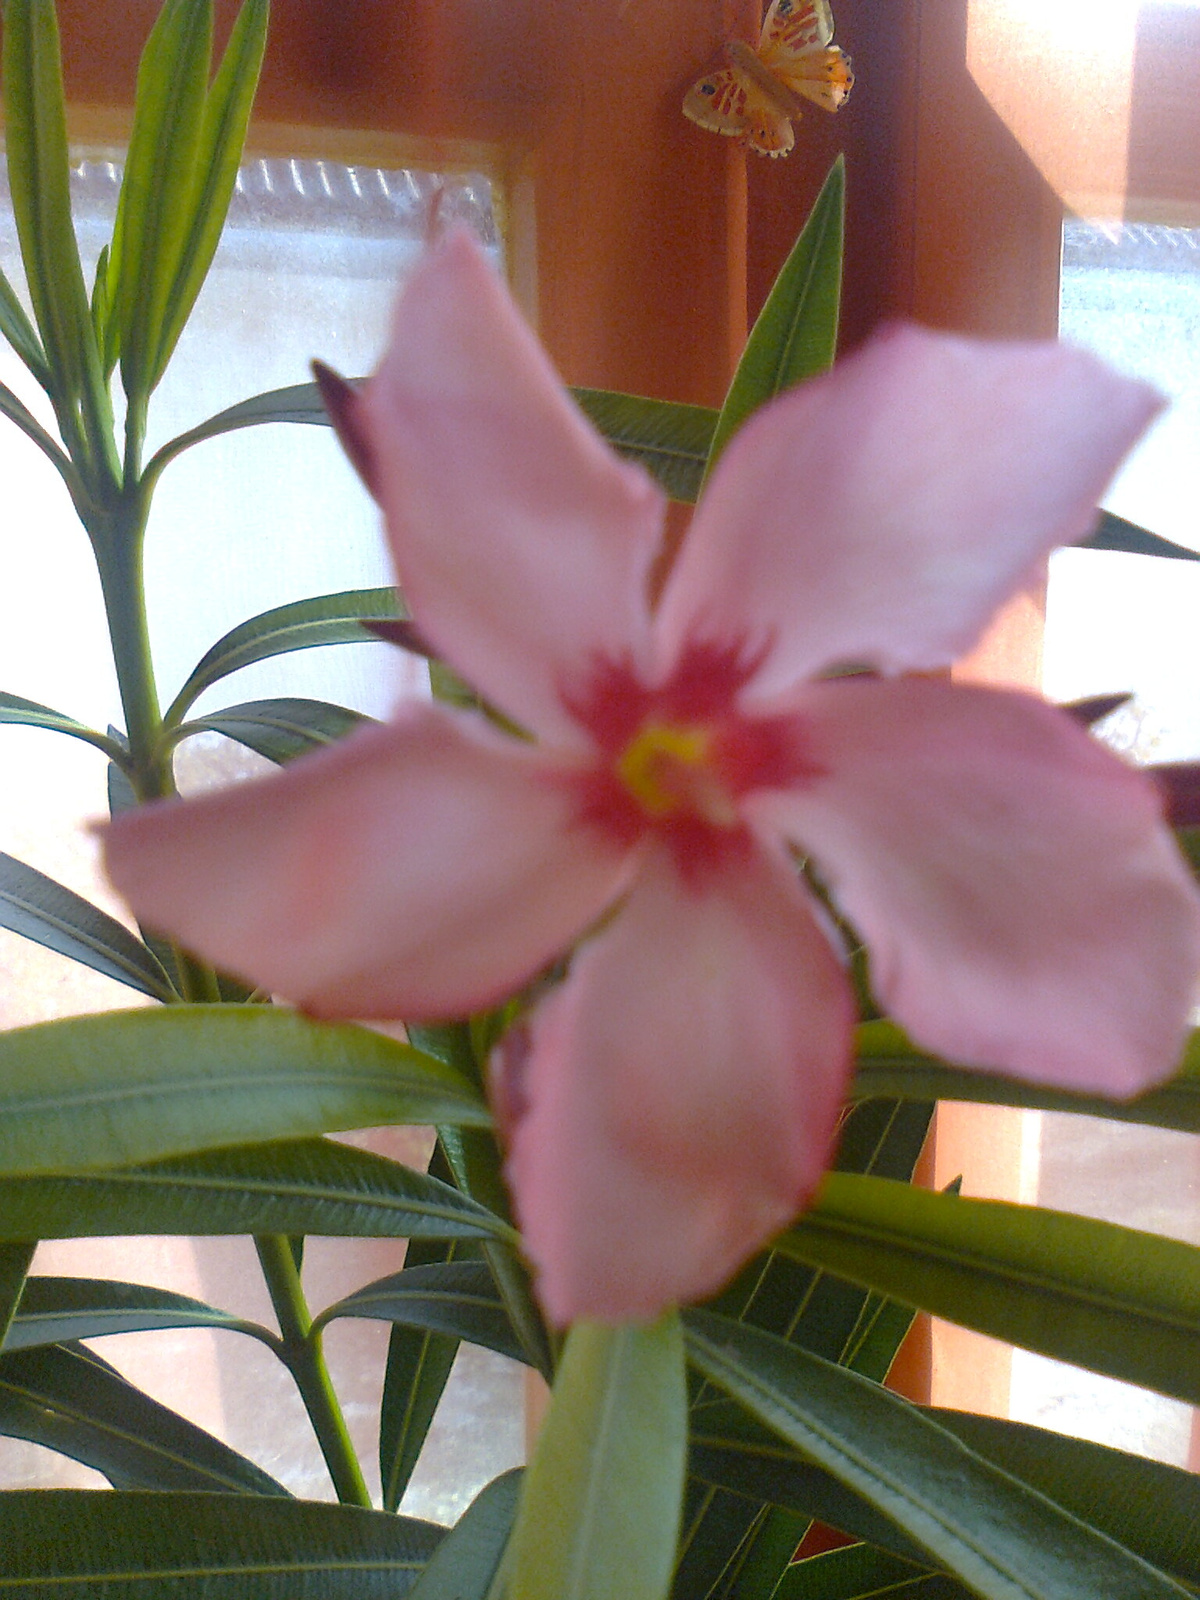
(729,102)
(794,27)
(823,77)
(796,46)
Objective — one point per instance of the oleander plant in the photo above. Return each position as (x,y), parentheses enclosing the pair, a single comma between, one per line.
(695,883)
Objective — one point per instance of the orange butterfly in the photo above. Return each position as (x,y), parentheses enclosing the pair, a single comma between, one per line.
(757,96)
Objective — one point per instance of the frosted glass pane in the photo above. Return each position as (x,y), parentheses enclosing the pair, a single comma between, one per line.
(1118,622)
(1132,293)
(307,267)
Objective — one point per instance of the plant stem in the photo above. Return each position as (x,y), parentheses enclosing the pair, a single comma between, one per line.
(302,1353)
(117,537)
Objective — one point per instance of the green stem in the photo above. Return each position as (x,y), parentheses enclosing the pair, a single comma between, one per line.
(302,1353)
(117,537)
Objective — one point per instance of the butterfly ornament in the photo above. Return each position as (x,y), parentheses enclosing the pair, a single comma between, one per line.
(760,93)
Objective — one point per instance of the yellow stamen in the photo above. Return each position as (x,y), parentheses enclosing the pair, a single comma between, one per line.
(665,767)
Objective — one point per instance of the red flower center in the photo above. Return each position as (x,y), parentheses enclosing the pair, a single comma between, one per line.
(677,760)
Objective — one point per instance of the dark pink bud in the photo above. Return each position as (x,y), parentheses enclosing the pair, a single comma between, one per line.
(341,401)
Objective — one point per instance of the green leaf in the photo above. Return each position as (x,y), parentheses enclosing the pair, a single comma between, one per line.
(465,1564)
(824,1314)
(669,439)
(31,714)
(599,1513)
(40,909)
(1001,1539)
(219,150)
(889,1065)
(860,1572)
(130,1086)
(103,321)
(54,1310)
(66,1398)
(733,1453)
(278,729)
(325,619)
(39,177)
(21,334)
(197,1547)
(1102,1296)
(418,1366)
(299,402)
(458,1298)
(1151,1508)
(795,336)
(293,1186)
(1115,533)
(155,204)
(16,411)
(15,1260)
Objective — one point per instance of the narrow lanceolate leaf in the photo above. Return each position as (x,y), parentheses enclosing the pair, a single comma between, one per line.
(31,714)
(725,1524)
(219,150)
(1115,533)
(104,321)
(325,619)
(194,1547)
(887,1064)
(734,1453)
(418,1363)
(669,439)
(860,1572)
(154,211)
(54,1310)
(458,1298)
(599,1513)
(278,729)
(1105,1297)
(66,1398)
(1151,1508)
(795,337)
(38,170)
(299,402)
(40,909)
(294,1186)
(16,1258)
(16,411)
(465,1564)
(20,332)
(418,1368)
(1001,1539)
(132,1086)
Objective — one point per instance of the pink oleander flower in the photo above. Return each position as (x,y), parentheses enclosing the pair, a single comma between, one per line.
(672,1103)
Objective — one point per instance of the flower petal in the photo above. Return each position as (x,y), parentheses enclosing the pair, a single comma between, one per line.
(882,513)
(522,543)
(681,1092)
(1024,907)
(423,868)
